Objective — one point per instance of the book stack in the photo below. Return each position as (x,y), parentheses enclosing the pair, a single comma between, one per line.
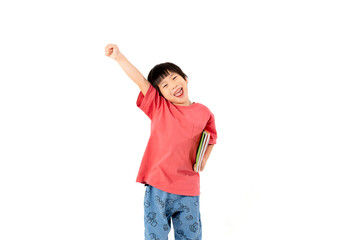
(204,142)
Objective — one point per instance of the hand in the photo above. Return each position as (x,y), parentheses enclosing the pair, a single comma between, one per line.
(111,50)
(194,167)
(201,168)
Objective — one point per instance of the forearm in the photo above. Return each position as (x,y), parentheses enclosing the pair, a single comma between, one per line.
(133,73)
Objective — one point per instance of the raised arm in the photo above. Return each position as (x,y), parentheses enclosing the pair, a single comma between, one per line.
(111,50)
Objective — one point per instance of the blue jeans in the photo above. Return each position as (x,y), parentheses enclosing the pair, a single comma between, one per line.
(160,207)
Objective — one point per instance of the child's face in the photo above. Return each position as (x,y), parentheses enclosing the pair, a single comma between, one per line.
(170,87)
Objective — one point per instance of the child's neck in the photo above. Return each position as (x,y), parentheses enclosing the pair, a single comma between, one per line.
(185,104)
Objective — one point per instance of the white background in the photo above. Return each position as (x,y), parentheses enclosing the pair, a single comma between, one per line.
(281,77)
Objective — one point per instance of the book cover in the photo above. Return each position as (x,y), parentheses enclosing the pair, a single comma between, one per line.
(204,142)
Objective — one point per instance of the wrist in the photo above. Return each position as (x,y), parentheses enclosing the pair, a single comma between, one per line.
(119,57)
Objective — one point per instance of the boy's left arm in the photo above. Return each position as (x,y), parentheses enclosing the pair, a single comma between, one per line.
(206,157)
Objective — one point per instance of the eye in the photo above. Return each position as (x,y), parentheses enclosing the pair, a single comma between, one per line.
(174,78)
(165,85)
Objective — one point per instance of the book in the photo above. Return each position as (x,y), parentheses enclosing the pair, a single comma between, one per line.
(204,142)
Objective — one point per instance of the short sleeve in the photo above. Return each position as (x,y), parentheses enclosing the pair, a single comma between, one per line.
(149,103)
(211,128)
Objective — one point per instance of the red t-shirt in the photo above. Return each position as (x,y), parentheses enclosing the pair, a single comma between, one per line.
(170,154)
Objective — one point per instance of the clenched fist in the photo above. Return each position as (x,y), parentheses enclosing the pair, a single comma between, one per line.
(111,50)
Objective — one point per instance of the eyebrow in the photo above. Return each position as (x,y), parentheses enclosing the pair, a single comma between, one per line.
(164,79)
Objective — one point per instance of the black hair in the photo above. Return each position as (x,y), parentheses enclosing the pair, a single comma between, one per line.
(161,71)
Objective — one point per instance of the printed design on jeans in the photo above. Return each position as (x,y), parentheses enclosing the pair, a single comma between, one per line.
(159,201)
(190,217)
(182,234)
(176,219)
(183,208)
(196,203)
(153,236)
(170,201)
(151,219)
(147,204)
(194,227)
(169,212)
(163,214)
(166,227)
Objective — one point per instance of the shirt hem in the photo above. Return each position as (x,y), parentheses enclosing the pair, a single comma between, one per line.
(168,190)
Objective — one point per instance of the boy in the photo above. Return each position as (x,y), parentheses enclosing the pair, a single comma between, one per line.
(168,165)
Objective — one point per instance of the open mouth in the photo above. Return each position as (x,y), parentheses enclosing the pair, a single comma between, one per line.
(179,93)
